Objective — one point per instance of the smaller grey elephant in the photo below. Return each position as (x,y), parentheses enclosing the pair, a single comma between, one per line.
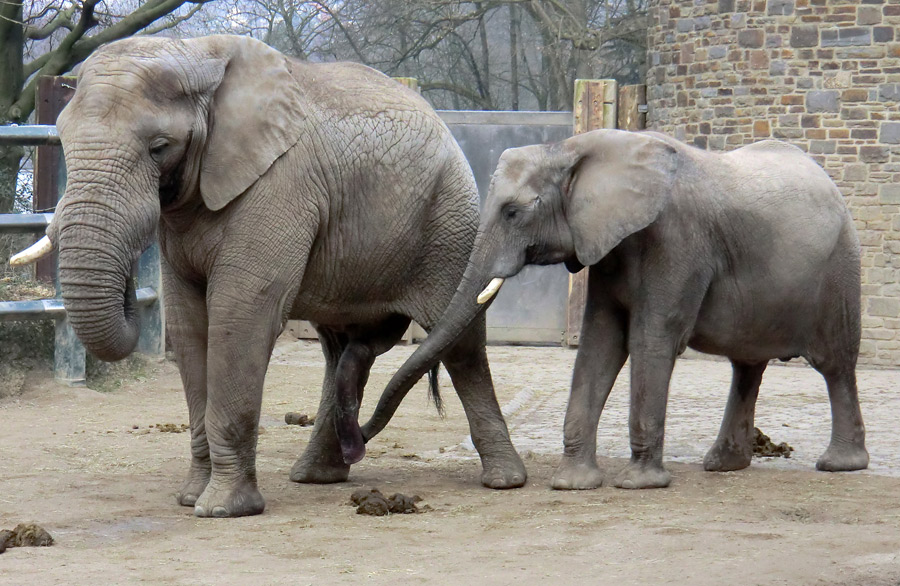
(750,255)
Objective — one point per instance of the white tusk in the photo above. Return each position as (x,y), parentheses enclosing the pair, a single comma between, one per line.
(490,290)
(37,250)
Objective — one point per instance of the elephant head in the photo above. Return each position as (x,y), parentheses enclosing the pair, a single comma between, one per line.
(157,126)
(570,202)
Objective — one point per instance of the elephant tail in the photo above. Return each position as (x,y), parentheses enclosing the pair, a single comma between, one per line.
(434,390)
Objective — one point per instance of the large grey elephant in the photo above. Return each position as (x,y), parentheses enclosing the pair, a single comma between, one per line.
(750,255)
(278,189)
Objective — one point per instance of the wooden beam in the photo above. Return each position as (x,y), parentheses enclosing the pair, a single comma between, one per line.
(53,93)
(410,82)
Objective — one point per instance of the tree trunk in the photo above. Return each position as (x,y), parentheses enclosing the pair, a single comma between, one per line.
(514,55)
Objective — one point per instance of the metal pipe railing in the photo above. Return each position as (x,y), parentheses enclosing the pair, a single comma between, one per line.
(38,309)
(30,135)
(24,223)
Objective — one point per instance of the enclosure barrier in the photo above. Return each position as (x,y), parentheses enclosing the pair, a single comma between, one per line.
(69,354)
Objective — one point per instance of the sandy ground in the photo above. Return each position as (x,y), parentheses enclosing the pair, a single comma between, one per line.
(87,466)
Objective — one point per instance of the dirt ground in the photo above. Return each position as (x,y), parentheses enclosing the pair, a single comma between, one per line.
(88,467)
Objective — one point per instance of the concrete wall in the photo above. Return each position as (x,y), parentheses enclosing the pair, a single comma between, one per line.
(821,74)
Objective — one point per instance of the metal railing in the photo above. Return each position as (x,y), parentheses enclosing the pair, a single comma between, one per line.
(69,354)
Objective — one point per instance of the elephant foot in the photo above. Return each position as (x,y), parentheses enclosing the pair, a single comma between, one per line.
(193,487)
(577,474)
(843,457)
(726,456)
(308,470)
(503,472)
(643,475)
(239,499)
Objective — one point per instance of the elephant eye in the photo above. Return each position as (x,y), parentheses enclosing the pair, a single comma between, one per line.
(158,146)
(510,212)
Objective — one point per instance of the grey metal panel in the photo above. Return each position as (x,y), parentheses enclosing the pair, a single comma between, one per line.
(531,307)
(453,117)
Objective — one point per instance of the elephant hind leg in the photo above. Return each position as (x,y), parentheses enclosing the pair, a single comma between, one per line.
(834,355)
(467,364)
(847,450)
(322,462)
(336,441)
(734,446)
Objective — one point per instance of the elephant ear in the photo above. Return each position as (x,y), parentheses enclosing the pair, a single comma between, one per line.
(255,116)
(619,182)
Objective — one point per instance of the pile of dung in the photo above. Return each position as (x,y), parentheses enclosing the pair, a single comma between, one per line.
(373,502)
(763,446)
(301,419)
(24,535)
(172,427)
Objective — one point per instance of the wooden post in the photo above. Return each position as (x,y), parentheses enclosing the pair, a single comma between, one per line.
(410,82)
(152,318)
(632,107)
(53,93)
(594,107)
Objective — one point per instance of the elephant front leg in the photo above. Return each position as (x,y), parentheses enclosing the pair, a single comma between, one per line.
(733,449)
(239,351)
(601,354)
(187,329)
(653,354)
(191,357)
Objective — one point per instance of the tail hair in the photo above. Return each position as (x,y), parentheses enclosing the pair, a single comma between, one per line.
(434,390)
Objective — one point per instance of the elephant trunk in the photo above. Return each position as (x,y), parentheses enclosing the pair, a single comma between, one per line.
(100,235)
(463,309)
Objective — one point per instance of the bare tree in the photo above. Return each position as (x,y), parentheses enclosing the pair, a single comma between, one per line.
(487,54)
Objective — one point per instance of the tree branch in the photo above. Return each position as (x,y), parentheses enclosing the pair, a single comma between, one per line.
(63,19)
(459,90)
(75,47)
(174,22)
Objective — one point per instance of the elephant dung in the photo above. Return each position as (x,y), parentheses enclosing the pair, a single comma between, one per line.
(25,535)
(764,447)
(373,502)
(171,427)
(301,419)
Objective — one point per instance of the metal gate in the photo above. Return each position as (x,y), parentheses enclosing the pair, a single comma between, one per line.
(531,308)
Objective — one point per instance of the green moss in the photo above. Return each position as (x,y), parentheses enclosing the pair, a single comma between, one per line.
(24,345)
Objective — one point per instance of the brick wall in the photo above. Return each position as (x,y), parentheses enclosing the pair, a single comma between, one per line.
(821,74)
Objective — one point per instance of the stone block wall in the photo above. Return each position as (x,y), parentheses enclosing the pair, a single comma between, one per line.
(821,74)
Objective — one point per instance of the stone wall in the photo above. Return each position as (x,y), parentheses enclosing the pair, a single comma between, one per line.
(821,74)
